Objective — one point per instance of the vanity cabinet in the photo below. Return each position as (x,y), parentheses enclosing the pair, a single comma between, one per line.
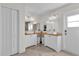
(30,40)
(53,42)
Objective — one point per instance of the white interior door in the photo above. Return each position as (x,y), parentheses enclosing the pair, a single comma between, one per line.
(71,42)
(9,41)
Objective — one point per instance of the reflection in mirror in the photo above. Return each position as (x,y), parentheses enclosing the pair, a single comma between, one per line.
(29,26)
(26,26)
(45,27)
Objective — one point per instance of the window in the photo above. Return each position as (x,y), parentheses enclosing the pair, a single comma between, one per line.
(73,21)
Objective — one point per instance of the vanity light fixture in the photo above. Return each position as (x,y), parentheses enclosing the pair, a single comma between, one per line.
(52,18)
(26,17)
(49,22)
(32,19)
(29,18)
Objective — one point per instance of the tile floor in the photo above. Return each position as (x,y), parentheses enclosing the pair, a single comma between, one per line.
(41,50)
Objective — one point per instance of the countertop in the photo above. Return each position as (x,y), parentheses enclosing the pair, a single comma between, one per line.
(44,33)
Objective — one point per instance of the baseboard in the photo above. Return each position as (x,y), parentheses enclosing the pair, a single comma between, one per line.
(70,53)
(51,48)
(14,54)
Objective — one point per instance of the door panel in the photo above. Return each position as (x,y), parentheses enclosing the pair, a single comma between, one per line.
(6,16)
(9,31)
(9,39)
(14,31)
(71,41)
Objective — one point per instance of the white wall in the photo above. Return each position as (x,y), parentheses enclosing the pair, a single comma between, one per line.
(21,9)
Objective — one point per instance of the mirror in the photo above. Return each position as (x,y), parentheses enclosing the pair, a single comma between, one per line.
(29,26)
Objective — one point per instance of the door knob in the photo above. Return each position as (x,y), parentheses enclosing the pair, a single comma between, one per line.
(65,32)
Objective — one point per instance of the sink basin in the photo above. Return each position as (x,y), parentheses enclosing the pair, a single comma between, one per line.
(54,32)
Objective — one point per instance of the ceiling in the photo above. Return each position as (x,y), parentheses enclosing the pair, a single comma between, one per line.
(34,9)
